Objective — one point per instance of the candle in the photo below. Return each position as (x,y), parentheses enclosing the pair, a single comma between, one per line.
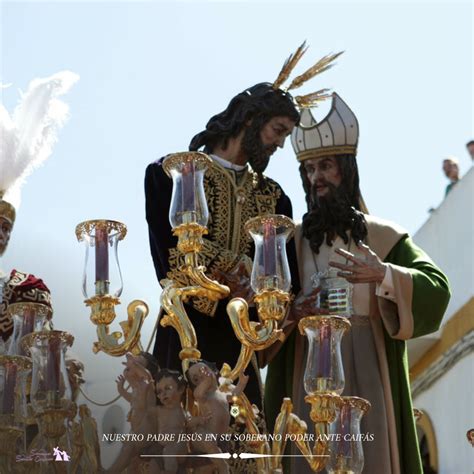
(101,254)
(325,351)
(269,249)
(188,187)
(53,365)
(345,419)
(8,405)
(28,323)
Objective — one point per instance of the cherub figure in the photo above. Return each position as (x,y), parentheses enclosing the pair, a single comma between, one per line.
(142,393)
(213,411)
(148,361)
(166,417)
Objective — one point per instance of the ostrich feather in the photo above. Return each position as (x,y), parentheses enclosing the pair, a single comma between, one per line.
(29,134)
(322,65)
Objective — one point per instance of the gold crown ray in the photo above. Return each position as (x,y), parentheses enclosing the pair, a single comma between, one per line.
(312,99)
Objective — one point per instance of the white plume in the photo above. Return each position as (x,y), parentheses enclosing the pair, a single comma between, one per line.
(27,137)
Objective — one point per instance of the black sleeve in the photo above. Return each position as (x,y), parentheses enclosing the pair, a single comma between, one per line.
(284,207)
(158,189)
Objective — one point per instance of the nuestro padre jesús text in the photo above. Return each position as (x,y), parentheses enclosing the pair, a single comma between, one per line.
(243,437)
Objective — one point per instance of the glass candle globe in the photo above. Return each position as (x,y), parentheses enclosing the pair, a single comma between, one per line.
(324,370)
(102,274)
(188,199)
(346,445)
(270,269)
(27,318)
(50,388)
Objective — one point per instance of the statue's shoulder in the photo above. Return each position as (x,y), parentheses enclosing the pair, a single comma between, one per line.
(383,234)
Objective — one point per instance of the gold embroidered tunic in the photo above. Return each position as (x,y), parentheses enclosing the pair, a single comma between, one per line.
(233,197)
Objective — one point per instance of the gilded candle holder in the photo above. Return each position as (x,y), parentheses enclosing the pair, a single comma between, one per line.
(104,236)
(188,217)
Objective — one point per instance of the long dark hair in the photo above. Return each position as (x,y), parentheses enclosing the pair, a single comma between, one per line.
(260,102)
(331,218)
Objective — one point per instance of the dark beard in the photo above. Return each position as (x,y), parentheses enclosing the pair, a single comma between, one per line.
(331,216)
(257,153)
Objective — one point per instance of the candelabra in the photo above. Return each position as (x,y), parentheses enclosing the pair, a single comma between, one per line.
(13,373)
(103,236)
(188,217)
(50,392)
(37,407)
(271,282)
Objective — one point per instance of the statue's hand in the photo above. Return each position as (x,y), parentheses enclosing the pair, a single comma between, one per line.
(238,281)
(305,305)
(366,269)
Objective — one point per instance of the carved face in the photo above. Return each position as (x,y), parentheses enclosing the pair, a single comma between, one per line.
(5,232)
(275,131)
(261,141)
(134,372)
(168,392)
(321,172)
(200,372)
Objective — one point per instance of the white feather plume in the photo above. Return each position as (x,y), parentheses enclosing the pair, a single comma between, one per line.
(28,135)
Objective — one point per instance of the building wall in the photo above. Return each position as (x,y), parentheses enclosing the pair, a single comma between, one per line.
(447,236)
(448,399)
(450,405)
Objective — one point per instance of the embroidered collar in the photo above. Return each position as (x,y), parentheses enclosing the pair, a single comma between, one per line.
(227,164)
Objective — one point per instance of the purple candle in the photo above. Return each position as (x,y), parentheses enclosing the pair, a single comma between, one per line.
(28,325)
(8,405)
(345,423)
(269,249)
(325,351)
(53,365)
(188,184)
(101,254)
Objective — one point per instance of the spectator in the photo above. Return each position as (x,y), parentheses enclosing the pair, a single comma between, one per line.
(470,149)
(451,170)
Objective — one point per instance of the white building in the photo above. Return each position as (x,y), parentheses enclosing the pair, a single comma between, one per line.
(442,364)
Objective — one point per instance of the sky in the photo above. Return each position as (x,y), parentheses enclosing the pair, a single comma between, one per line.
(153,73)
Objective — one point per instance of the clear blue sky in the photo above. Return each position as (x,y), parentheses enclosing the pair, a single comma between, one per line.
(152,74)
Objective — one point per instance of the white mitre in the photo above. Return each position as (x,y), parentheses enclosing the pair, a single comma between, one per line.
(336,134)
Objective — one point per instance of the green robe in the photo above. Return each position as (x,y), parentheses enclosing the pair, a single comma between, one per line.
(429,299)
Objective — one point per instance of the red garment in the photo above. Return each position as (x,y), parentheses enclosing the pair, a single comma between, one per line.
(21,288)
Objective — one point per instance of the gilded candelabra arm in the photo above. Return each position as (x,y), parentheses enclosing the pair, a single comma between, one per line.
(210,289)
(286,423)
(256,335)
(243,361)
(323,412)
(103,313)
(190,244)
(172,299)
